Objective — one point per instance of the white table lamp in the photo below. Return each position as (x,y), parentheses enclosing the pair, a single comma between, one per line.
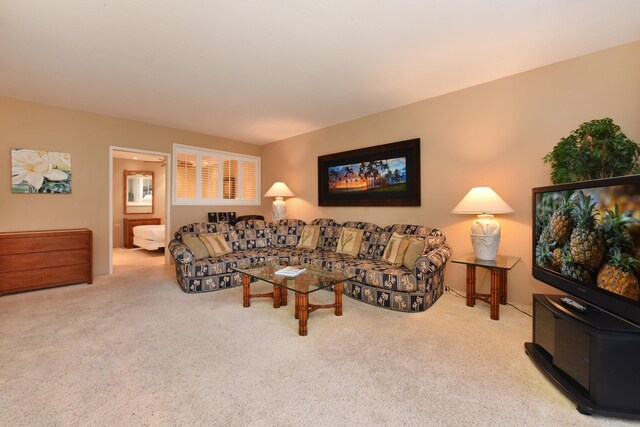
(279,207)
(485,231)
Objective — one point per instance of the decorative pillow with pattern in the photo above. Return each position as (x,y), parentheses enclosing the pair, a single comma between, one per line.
(309,237)
(369,238)
(349,241)
(415,249)
(196,245)
(396,247)
(215,244)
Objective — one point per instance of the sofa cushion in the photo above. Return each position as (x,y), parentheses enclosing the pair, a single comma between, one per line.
(382,275)
(229,233)
(329,233)
(369,272)
(349,241)
(309,237)
(223,263)
(254,234)
(432,237)
(327,260)
(286,232)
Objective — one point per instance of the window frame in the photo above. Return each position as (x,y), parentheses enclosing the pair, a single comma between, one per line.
(222,156)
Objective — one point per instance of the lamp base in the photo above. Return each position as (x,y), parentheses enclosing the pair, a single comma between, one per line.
(485,237)
(278,209)
(485,247)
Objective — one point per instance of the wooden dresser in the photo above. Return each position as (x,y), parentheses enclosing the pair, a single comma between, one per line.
(43,259)
(129,223)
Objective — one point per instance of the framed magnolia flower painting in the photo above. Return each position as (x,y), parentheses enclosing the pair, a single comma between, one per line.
(35,171)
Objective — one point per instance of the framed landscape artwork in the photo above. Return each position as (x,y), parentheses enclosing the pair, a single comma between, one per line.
(36,171)
(383,175)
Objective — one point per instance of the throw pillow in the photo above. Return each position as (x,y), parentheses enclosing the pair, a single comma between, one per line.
(414,251)
(309,237)
(215,243)
(349,241)
(396,247)
(197,247)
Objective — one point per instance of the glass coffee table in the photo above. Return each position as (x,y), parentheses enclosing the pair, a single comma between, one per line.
(305,283)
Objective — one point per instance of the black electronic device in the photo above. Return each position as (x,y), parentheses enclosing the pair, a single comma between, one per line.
(588,342)
(563,264)
(592,356)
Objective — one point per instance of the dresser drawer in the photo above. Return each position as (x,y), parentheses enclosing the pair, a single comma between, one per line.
(16,281)
(15,244)
(21,262)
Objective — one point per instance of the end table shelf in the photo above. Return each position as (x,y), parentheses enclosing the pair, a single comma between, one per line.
(498,269)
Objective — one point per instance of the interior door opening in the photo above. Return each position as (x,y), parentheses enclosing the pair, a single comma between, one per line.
(139,208)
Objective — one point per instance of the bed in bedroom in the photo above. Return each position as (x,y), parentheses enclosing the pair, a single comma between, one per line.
(145,233)
(150,237)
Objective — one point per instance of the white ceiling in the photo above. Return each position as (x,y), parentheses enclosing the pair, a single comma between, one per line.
(263,70)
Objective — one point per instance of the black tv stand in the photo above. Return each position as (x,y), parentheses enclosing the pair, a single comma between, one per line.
(593,357)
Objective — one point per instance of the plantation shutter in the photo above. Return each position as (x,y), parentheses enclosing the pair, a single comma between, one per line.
(209,177)
(230,180)
(215,178)
(249,181)
(186,175)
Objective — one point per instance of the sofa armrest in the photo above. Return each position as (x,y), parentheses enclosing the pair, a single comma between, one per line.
(181,252)
(431,262)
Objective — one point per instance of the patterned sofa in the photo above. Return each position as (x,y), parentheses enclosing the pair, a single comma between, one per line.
(376,282)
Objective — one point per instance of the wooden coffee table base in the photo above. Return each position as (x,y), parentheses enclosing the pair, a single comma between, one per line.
(279,294)
(303,308)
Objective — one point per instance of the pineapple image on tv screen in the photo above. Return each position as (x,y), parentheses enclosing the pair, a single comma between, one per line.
(592,236)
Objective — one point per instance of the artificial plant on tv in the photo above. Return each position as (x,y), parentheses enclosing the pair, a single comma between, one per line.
(596,149)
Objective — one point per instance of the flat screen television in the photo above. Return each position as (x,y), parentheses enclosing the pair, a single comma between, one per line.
(586,238)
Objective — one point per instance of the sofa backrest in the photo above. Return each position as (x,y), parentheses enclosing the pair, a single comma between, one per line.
(369,238)
(433,237)
(330,231)
(228,231)
(287,232)
(254,233)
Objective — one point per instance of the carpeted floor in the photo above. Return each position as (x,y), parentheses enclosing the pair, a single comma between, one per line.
(133,349)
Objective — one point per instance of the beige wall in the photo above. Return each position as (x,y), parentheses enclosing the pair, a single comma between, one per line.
(87,137)
(493,134)
(159,194)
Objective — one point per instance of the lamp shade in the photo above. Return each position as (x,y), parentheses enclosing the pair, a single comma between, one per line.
(482,200)
(279,189)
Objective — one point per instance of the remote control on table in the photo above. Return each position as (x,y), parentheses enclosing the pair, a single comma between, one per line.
(573,304)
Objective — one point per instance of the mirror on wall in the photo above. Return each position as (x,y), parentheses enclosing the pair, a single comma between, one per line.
(138,192)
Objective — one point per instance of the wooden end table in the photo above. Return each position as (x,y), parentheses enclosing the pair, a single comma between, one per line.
(498,269)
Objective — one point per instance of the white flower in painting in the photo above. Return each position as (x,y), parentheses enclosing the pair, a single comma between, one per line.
(60,161)
(32,167)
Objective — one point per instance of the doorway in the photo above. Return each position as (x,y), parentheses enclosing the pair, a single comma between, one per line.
(126,212)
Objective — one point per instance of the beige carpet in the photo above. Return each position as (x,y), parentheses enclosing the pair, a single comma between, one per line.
(133,349)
